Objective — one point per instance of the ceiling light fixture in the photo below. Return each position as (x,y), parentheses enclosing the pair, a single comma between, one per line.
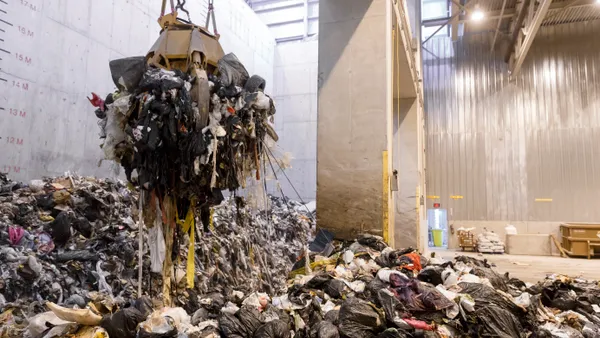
(478,14)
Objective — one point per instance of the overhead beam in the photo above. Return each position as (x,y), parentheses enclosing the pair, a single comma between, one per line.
(276,5)
(454,22)
(498,27)
(287,22)
(530,31)
(518,23)
(512,12)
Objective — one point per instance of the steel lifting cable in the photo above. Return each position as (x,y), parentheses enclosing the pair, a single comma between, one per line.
(164,7)
(288,179)
(180,5)
(211,14)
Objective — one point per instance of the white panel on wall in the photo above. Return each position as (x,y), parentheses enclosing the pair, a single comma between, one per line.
(54,53)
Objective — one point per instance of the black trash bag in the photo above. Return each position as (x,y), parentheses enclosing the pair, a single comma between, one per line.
(233,72)
(498,281)
(75,300)
(473,261)
(397,258)
(494,321)
(144,305)
(559,296)
(161,79)
(484,295)
(324,329)
(335,288)
(83,226)
(395,333)
(127,72)
(432,275)
(273,329)
(199,316)
(250,318)
(359,319)
(217,302)
(45,202)
(391,305)
(318,282)
(311,314)
(61,228)
(373,242)
(433,299)
(123,323)
(78,255)
(231,327)
(519,284)
(254,84)
(272,312)
(333,316)
(375,285)
(171,332)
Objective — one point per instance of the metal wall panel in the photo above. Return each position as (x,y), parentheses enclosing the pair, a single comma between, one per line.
(509,146)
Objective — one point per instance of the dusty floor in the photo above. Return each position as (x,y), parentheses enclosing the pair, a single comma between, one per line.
(534,268)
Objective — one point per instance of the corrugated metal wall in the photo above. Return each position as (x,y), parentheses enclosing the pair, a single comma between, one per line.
(509,146)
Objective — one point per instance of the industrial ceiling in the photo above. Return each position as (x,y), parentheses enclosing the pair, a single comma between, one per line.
(516,21)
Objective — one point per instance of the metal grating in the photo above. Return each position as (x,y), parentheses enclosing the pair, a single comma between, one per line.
(569,15)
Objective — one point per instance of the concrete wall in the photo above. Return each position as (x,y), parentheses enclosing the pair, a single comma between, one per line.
(352,121)
(296,67)
(58,52)
(406,163)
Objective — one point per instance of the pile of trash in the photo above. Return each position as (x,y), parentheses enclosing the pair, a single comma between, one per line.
(489,242)
(74,240)
(68,267)
(184,135)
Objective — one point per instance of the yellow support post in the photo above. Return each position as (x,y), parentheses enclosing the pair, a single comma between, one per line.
(386,198)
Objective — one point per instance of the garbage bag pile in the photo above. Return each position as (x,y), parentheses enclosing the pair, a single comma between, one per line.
(489,242)
(73,241)
(174,138)
(361,289)
(254,277)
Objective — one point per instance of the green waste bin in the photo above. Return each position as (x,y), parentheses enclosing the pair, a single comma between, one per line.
(437,237)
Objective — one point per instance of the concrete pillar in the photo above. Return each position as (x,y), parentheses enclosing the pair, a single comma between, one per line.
(355,119)
(406,162)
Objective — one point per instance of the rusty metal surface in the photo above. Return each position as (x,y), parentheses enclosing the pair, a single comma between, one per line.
(523,149)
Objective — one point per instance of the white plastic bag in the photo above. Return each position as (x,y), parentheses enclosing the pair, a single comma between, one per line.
(156,241)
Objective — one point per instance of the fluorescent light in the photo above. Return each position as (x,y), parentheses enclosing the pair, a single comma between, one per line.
(478,15)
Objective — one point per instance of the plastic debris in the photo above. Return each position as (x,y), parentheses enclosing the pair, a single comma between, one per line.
(251,279)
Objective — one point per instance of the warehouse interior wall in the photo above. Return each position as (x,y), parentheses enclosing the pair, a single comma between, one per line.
(295,94)
(58,52)
(524,150)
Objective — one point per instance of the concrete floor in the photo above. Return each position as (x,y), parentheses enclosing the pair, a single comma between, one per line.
(533,268)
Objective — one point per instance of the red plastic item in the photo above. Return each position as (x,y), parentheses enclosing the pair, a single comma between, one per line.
(418,324)
(96,101)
